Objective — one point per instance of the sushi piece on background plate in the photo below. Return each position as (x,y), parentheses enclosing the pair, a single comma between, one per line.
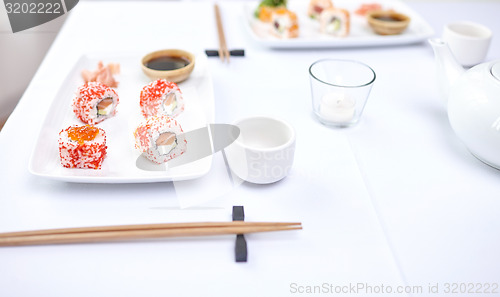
(266,8)
(264,13)
(160,138)
(316,7)
(82,147)
(161,97)
(284,23)
(335,22)
(94,102)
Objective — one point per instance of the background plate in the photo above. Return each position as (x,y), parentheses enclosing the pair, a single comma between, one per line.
(361,34)
(120,163)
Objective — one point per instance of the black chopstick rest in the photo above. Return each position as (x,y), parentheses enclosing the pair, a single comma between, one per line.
(237,53)
(234,53)
(240,249)
(238,213)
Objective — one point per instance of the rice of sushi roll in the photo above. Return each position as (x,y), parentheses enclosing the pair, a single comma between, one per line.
(284,23)
(94,102)
(160,138)
(161,97)
(82,147)
(316,7)
(335,22)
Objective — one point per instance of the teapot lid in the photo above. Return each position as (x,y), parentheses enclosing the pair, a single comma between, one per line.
(495,70)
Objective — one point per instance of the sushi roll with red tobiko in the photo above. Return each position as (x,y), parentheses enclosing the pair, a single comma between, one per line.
(82,147)
(94,102)
(161,97)
(160,138)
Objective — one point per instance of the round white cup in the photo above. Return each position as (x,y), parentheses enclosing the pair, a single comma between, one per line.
(263,153)
(468,41)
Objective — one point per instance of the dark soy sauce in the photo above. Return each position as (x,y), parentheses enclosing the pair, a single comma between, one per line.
(388,19)
(167,63)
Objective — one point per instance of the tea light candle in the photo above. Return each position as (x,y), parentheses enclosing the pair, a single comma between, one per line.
(337,107)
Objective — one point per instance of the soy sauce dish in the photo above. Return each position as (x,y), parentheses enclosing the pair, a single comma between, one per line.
(387,22)
(171,64)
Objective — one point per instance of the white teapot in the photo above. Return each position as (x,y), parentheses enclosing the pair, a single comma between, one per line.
(473,100)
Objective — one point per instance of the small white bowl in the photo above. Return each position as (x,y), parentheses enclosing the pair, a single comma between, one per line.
(264,151)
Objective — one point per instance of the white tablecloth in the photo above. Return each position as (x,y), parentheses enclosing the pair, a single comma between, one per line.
(395,202)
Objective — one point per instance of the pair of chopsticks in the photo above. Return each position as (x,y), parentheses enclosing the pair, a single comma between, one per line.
(223,51)
(127,232)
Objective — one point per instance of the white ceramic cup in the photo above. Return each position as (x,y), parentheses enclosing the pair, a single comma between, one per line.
(468,41)
(263,152)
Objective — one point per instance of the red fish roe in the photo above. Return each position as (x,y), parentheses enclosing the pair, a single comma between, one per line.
(82,133)
(82,147)
(88,97)
(151,96)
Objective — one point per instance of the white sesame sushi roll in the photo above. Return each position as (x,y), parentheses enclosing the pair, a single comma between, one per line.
(335,22)
(94,102)
(82,147)
(161,97)
(160,138)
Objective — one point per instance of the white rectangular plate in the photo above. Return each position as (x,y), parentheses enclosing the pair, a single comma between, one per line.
(119,166)
(361,34)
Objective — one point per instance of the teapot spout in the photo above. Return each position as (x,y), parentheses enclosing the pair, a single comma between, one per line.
(447,67)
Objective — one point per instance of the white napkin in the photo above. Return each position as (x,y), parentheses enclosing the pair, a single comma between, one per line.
(211,189)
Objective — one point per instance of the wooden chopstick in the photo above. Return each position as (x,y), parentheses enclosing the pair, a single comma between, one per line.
(223,51)
(144,227)
(124,232)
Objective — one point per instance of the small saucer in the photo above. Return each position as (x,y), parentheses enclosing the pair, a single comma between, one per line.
(175,75)
(387,22)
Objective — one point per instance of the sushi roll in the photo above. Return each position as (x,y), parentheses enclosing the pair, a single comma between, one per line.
(266,8)
(94,102)
(284,23)
(160,139)
(161,97)
(316,7)
(82,147)
(264,13)
(335,22)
